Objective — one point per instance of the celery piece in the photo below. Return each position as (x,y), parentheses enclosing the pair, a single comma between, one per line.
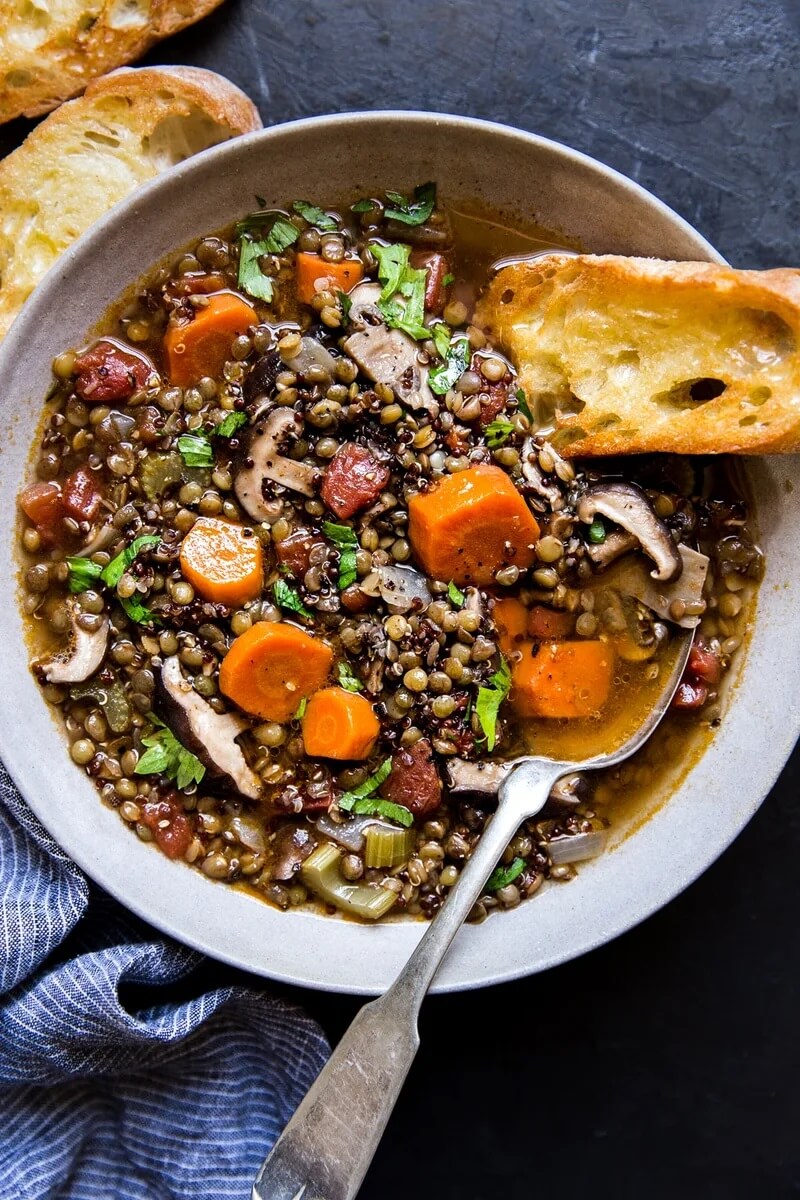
(320,872)
(387,847)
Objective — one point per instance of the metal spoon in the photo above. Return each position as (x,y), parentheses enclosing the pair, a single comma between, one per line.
(325,1150)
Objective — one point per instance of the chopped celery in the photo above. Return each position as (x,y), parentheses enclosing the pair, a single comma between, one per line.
(160,471)
(111,698)
(387,847)
(320,872)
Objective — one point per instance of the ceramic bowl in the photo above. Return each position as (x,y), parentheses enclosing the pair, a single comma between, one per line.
(520,176)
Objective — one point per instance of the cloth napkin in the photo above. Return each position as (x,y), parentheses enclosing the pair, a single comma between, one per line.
(108,1089)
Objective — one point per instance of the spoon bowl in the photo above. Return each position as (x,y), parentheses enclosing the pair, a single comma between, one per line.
(325,1150)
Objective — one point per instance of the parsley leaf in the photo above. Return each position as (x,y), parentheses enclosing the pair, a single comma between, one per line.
(315,216)
(448,279)
(348,799)
(498,432)
(502,876)
(522,403)
(457,597)
(412,212)
(138,612)
(378,807)
(489,700)
(282,235)
(392,265)
(301,709)
(441,337)
(166,756)
(345,539)
(251,278)
(82,573)
(345,303)
(442,378)
(286,597)
(230,424)
(112,573)
(402,300)
(195,449)
(347,680)
(362,206)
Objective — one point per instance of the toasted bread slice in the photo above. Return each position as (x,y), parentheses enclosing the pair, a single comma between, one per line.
(50,51)
(90,153)
(633,355)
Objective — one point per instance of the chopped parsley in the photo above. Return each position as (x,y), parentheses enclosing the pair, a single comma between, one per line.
(455,594)
(301,709)
(287,597)
(597,531)
(490,697)
(442,378)
(82,573)
(448,280)
(230,424)
(195,450)
(166,756)
(370,785)
(522,404)
(411,212)
(315,216)
(138,612)
(345,304)
(502,876)
(344,538)
(251,278)
(402,298)
(498,432)
(363,801)
(441,337)
(347,680)
(362,206)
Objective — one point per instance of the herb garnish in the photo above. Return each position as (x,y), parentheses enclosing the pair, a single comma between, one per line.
(195,450)
(347,680)
(251,278)
(522,404)
(401,280)
(345,539)
(83,572)
(448,279)
(411,212)
(301,709)
(489,700)
(315,216)
(498,432)
(362,206)
(597,531)
(166,756)
(230,425)
(442,378)
(457,597)
(345,303)
(363,801)
(441,337)
(286,597)
(502,876)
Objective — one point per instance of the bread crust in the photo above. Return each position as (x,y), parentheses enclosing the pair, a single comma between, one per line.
(55,50)
(92,152)
(611,352)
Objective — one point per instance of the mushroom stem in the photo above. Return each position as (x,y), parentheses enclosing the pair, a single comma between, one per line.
(628,506)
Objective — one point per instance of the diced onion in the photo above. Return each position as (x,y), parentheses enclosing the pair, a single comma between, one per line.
(403,588)
(249,833)
(576,847)
(312,354)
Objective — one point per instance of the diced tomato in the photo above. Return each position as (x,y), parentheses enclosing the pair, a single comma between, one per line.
(704,663)
(494,395)
(294,551)
(691,693)
(353,480)
(414,781)
(548,623)
(81,496)
(436,267)
(195,285)
(107,371)
(171,825)
(42,504)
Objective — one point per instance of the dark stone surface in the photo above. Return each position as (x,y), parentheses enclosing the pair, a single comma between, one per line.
(665,1064)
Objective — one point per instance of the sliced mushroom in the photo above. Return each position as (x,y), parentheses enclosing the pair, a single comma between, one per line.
(484,779)
(311,354)
(264,460)
(387,355)
(533,474)
(613,546)
(260,379)
(632,578)
(628,506)
(208,734)
(83,654)
(291,847)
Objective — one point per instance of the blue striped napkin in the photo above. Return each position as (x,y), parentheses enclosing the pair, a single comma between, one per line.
(106,1091)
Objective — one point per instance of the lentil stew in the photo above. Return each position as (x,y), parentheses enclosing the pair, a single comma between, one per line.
(303,566)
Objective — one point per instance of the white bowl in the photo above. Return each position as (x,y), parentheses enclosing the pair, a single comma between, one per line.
(519,175)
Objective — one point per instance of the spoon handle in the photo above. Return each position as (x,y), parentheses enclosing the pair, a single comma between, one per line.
(325,1150)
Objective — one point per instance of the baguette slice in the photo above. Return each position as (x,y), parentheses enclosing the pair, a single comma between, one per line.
(634,355)
(51,49)
(90,153)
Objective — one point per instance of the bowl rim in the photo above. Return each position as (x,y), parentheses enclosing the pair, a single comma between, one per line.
(15,756)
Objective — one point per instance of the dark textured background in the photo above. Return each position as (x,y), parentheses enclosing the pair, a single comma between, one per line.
(666,1064)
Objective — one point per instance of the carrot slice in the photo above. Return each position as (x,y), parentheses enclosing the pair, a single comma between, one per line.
(471,524)
(340,276)
(339,724)
(202,346)
(272,667)
(547,623)
(221,562)
(562,679)
(511,618)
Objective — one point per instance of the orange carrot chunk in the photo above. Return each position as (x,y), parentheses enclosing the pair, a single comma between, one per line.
(202,346)
(339,277)
(547,623)
(339,724)
(562,679)
(471,524)
(221,563)
(511,618)
(272,667)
